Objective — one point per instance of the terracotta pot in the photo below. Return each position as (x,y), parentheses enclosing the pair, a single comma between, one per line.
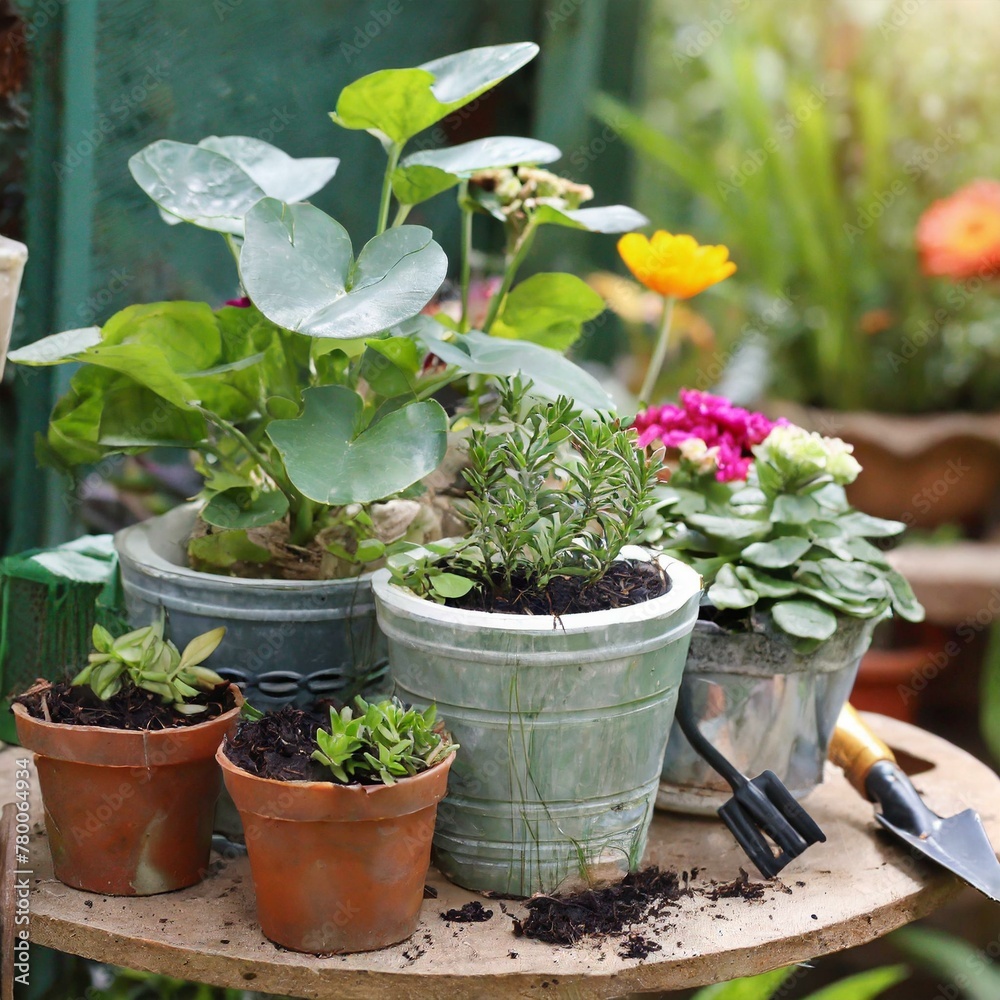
(926,470)
(128,813)
(337,868)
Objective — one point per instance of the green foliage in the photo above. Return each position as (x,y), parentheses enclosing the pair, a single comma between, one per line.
(551,493)
(973,971)
(989,701)
(784,541)
(382,742)
(146,660)
(317,397)
(863,986)
(804,139)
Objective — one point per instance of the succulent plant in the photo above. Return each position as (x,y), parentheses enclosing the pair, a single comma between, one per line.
(381,743)
(146,660)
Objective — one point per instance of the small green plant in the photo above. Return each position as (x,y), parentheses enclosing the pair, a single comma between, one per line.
(552,492)
(382,742)
(146,660)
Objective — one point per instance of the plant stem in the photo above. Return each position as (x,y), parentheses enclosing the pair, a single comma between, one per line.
(383,208)
(463,194)
(401,213)
(659,351)
(515,261)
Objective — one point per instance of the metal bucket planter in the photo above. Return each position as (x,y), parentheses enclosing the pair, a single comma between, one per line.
(763,705)
(562,727)
(286,640)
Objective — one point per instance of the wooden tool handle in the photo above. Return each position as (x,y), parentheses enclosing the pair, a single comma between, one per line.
(855,748)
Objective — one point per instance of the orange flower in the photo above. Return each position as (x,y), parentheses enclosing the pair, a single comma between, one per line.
(674,265)
(959,237)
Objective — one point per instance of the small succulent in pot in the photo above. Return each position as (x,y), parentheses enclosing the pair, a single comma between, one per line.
(382,743)
(339,820)
(126,762)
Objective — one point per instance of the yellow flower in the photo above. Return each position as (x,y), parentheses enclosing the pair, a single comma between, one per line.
(674,265)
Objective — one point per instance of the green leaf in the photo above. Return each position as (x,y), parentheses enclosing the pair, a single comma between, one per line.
(904,601)
(370,549)
(244,507)
(329,461)
(414,184)
(548,309)
(551,375)
(201,647)
(748,988)
(777,554)
(729,592)
(866,526)
(989,693)
(603,219)
(484,154)
(222,549)
(729,529)
(57,348)
(865,985)
(296,267)
(276,173)
(953,959)
(196,185)
(804,619)
(790,508)
(391,366)
(450,585)
(766,585)
(396,104)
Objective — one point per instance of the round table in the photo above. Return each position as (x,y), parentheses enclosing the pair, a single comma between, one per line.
(855,887)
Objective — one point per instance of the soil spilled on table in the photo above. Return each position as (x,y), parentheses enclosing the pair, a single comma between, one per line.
(131,708)
(628,582)
(740,888)
(471,913)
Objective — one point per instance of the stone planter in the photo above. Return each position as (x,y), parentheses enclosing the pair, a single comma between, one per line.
(286,640)
(562,727)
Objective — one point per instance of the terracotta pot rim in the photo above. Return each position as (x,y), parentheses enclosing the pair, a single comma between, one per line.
(328,801)
(136,741)
(319,786)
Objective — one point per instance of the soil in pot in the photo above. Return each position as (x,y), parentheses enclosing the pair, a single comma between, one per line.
(337,868)
(128,811)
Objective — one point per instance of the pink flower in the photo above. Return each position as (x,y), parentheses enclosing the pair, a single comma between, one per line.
(714,420)
(241,303)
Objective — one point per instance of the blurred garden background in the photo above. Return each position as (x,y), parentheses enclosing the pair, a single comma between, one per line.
(843,150)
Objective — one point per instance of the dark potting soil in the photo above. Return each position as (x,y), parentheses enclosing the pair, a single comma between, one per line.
(280,745)
(638,946)
(130,708)
(471,913)
(739,888)
(566,919)
(628,582)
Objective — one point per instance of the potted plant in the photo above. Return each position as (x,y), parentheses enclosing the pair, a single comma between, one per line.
(556,648)
(339,820)
(794,589)
(125,759)
(309,403)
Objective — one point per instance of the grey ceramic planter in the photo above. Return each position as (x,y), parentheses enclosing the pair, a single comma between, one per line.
(286,640)
(763,705)
(562,729)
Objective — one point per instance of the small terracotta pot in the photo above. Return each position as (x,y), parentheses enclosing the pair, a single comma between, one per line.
(128,812)
(337,868)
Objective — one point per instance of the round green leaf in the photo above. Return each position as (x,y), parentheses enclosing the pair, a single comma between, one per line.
(329,461)
(804,619)
(728,591)
(243,507)
(196,184)
(296,267)
(57,348)
(413,184)
(778,553)
(450,585)
(548,309)
(484,154)
(603,219)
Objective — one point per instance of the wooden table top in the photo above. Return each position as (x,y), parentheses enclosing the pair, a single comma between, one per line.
(855,887)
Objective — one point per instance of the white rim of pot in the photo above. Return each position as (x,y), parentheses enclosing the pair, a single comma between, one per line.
(685,583)
(133,545)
